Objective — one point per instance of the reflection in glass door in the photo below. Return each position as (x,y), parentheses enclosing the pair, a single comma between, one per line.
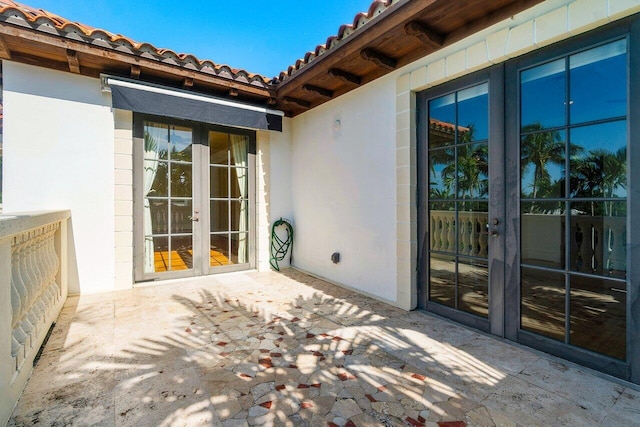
(228,199)
(458,206)
(573,210)
(168,198)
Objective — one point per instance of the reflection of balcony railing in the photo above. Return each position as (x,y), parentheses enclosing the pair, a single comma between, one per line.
(472,232)
(598,243)
(34,287)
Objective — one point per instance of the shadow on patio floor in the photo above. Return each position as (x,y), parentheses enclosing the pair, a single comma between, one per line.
(289,349)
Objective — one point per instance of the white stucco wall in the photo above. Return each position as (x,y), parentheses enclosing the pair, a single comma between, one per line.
(343,189)
(59,154)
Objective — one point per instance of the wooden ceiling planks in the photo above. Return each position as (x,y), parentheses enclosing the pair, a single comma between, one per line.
(409,30)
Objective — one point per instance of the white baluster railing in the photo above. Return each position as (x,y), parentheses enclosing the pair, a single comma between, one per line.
(33,288)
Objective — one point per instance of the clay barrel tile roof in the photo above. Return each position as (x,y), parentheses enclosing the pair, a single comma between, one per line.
(345,31)
(15,13)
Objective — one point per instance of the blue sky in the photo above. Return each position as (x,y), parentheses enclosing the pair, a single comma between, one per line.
(259,36)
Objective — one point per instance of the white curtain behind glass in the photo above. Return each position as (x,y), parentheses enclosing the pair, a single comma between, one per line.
(239,151)
(153,136)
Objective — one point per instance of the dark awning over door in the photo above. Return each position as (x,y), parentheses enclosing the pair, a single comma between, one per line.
(167,102)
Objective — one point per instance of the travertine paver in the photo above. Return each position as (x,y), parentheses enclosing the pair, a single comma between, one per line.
(272,348)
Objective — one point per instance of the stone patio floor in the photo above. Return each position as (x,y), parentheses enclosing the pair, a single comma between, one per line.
(289,349)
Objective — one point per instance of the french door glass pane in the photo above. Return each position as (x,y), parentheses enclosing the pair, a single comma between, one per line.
(181,216)
(442,280)
(473,223)
(219,250)
(442,218)
(442,118)
(599,238)
(219,182)
(599,164)
(219,214)
(473,119)
(441,176)
(218,148)
(542,305)
(542,163)
(239,182)
(542,231)
(548,111)
(473,286)
(159,216)
(600,302)
(181,255)
(473,171)
(607,98)
(239,215)
(160,173)
(239,247)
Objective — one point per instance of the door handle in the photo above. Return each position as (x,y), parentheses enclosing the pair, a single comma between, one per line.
(194,218)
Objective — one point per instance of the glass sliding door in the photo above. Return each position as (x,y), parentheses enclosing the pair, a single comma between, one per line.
(573,189)
(193,192)
(168,198)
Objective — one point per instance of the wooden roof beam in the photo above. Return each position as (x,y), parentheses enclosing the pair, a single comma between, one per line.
(348,78)
(188,82)
(299,102)
(135,72)
(5,52)
(378,58)
(322,92)
(425,34)
(72,60)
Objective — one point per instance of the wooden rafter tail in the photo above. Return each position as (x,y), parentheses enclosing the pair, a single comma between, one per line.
(379,58)
(425,34)
(5,52)
(135,72)
(322,92)
(72,60)
(298,102)
(345,77)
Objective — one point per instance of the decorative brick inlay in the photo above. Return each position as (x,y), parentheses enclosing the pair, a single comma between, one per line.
(344,376)
(267,404)
(452,424)
(414,423)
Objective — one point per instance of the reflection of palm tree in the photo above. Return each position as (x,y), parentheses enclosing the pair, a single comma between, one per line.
(540,149)
(471,172)
(600,174)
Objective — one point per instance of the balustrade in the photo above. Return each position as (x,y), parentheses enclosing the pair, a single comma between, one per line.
(34,287)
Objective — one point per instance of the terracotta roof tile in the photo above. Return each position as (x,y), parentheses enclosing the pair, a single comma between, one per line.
(40,20)
(345,31)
